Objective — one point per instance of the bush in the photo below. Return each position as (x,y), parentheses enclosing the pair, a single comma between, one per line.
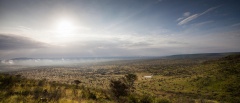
(146,99)
(92,96)
(119,88)
(163,101)
(132,99)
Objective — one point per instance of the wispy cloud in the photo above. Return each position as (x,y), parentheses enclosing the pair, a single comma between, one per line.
(204,23)
(177,42)
(194,16)
(188,19)
(23,28)
(235,25)
(186,14)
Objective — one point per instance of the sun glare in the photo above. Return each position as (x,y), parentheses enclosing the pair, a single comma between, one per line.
(65,26)
(64,30)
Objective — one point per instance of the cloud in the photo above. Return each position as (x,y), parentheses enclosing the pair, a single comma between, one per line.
(179,19)
(186,14)
(194,16)
(177,42)
(190,18)
(23,28)
(202,23)
(210,9)
(134,45)
(11,42)
(235,25)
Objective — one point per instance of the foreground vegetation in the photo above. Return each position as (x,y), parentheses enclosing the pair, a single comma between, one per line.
(173,80)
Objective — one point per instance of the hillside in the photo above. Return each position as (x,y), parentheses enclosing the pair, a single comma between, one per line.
(185,80)
(216,80)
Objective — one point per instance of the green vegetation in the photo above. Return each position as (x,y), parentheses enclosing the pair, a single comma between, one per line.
(15,89)
(214,80)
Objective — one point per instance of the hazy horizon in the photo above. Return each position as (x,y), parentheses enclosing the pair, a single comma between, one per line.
(117,28)
(110,57)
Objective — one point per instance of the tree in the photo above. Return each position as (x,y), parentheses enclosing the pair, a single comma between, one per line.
(123,86)
(119,88)
(77,82)
(130,79)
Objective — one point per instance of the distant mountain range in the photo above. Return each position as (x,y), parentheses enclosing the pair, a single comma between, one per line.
(22,58)
(200,55)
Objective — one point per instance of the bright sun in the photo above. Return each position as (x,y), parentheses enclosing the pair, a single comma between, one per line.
(64,30)
(65,26)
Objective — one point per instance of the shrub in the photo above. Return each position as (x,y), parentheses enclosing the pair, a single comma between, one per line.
(119,88)
(132,99)
(163,101)
(146,99)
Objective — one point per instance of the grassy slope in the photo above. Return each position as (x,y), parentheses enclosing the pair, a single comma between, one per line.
(217,80)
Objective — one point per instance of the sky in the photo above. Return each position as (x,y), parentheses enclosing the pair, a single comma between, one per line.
(116,28)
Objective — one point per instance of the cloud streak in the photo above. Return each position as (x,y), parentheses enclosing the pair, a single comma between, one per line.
(236,25)
(11,42)
(194,16)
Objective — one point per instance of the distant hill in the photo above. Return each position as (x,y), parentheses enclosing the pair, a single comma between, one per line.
(22,58)
(201,55)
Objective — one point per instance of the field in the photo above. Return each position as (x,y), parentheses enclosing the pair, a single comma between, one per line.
(176,79)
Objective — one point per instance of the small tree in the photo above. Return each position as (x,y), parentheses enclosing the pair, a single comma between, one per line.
(130,79)
(77,82)
(119,88)
(123,86)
